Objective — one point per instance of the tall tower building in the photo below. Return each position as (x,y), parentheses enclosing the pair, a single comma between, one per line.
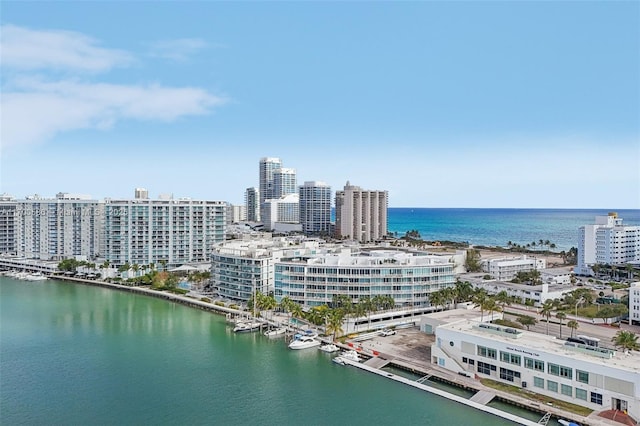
(267,166)
(607,241)
(252,204)
(315,207)
(8,224)
(284,182)
(141,194)
(361,215)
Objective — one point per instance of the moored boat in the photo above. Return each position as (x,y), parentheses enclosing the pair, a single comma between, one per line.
(305,340)
(276,332)
(244,327)
(350,355)
(329,347)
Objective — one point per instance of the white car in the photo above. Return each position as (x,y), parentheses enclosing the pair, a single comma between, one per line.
(387,332)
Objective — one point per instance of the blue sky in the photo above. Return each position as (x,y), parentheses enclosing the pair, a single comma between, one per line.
(443,104)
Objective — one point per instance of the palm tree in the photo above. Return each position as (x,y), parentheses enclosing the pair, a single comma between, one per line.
(629,268)
(479,298)
(527,321)
(573,325)
(163,262)
(626,340)
(503,299)
(561,316)
(596,269)
(464,290)
(335,317)
(547,307)
(436,299)
(296,310)
(491,306)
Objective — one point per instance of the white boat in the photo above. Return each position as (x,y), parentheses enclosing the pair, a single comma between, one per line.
(567,423)
(329,347)
(304,341)
(276,332)
(244,327)
(350,355)
(35,277)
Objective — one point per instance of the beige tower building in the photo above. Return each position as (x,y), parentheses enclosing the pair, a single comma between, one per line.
(361,215)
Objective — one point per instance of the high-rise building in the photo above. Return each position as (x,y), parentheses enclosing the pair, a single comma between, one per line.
(252,204)
(315,207)
(284,182)
(361,215)
(236,214)
(634,303)
(145,231)
(267,166)
(68,226)
(8,221)
(141,194)
(608,242)
(284,210)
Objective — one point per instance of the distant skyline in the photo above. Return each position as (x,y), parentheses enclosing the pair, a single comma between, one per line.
(443,104)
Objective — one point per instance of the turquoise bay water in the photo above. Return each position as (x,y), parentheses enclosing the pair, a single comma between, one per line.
(496,227)
(73,354)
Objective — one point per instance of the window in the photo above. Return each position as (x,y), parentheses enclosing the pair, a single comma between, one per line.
(485,368)
(566,390)
(509,358)
(581,394)
(465,360)
(552,386)
(560,370)
(534,364)
(582,376)
(596,398)
(539,382)
(487,352)
(509,375)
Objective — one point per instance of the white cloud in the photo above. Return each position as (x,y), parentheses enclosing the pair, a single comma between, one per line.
(178,49)
(27,49)
(35,109)
(44,109)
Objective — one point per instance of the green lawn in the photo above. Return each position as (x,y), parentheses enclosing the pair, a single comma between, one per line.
(567,406)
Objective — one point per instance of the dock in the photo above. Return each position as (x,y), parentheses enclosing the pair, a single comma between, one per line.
(455,398)
(483,397)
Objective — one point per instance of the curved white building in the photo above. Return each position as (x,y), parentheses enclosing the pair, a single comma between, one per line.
(408,278)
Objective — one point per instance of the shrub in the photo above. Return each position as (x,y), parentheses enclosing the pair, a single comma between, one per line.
(233,306)
(218,303)
(205,299)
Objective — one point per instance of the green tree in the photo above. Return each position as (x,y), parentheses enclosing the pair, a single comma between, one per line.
(503,299)
(547,308)
(561,316)
(436,299)
(573,325)
(626,340)
(479,298)
(527,321)
(464,290)
(491,306)
(472,263)
(335,318)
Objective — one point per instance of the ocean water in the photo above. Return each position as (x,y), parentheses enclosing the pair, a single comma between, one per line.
(495,227)
(79,355)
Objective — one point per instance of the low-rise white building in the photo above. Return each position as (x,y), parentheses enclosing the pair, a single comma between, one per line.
(580,373)
(556,276)
(538,294)
(506,268)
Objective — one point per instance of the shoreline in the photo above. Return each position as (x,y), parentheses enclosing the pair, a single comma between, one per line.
(210,307)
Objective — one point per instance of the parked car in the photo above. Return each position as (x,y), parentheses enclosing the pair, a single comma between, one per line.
(388,332)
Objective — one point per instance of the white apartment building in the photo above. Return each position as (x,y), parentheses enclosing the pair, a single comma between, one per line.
(408,278)
(236,214)
(8,223)
(268,165)
(67,226)
(538,294)
(361,215)
(252,204)
(315,207)
(239,268)
(145,231)
(284,210)
(580,373)
(634,303)
(608,242)
(506,268)
(285,182)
